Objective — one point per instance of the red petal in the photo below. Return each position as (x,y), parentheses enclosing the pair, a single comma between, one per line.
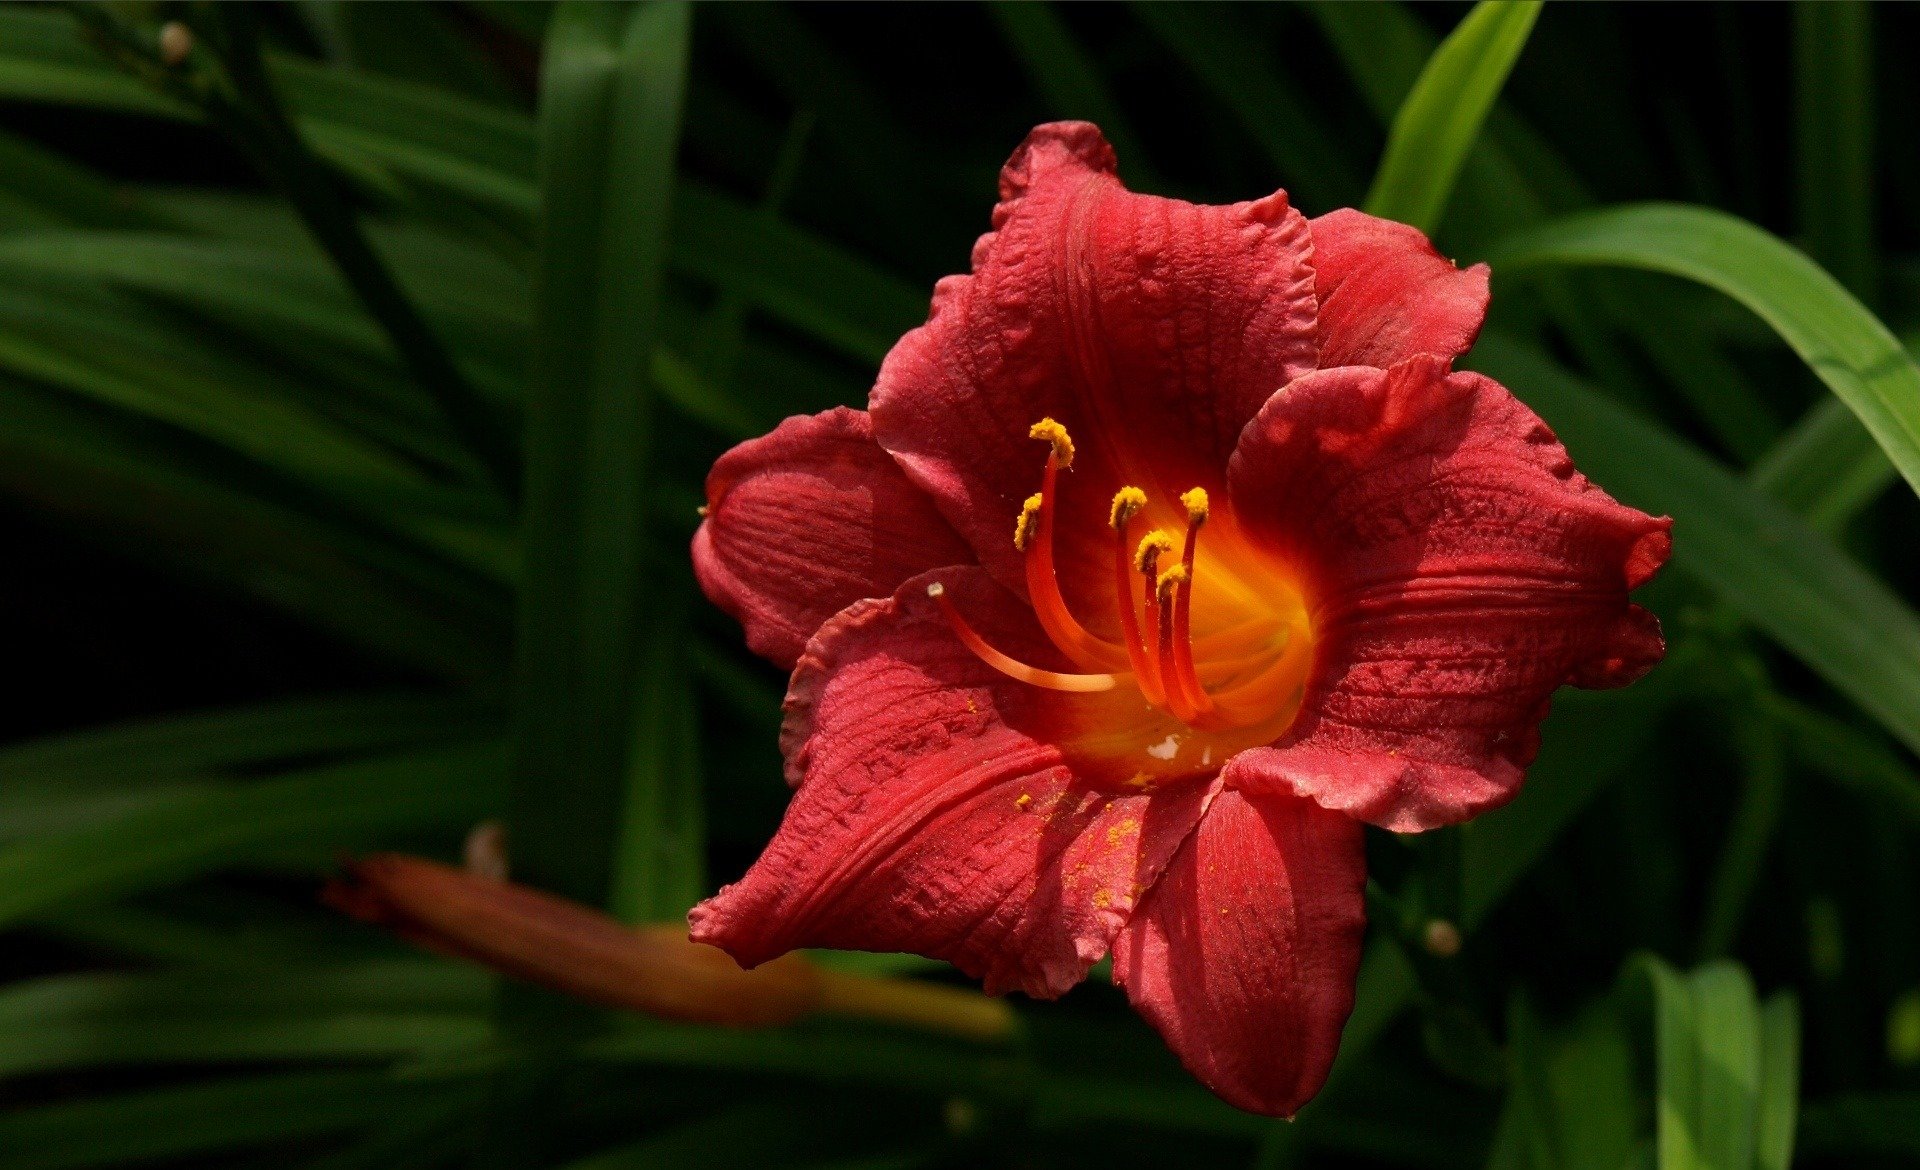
(1386,295)
(1244,954)
(1459,570)
(807,520)
(935,813)
(1152,328)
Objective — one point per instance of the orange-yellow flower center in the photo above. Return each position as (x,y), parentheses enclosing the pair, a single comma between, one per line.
(1235,684)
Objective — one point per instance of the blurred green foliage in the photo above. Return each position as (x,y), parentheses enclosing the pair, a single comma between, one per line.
(358,374)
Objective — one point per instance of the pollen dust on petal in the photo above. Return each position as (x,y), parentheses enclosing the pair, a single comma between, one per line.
(1120,832)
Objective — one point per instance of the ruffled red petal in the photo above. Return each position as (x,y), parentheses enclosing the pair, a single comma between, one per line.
(808,519)
(1152,328)
(1386,295)
(935,812)
(1458,569)
(1244,954)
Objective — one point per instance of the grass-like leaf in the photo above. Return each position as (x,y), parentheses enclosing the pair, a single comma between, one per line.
(1440,119)
(1843,343)
(610,118)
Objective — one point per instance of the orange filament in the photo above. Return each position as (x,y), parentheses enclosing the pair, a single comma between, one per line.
(1013,668)
(1184,696)
(1127,503)
(1035,538)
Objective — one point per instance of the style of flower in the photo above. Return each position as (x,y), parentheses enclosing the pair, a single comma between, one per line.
(1285,572)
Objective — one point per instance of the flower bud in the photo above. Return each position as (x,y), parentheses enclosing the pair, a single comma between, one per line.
(571,948)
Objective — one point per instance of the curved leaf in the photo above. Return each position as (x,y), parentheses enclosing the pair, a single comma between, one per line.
(1440,120)
(1847,346)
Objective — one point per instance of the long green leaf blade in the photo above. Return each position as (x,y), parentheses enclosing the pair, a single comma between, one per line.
(610,117)
(198,832)
(1440,120)
(1779,1102)
(1833,142)
(1844,343)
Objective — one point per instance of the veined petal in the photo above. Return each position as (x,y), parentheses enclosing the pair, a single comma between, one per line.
(1458,570)
(1244,954)
(808,519)
(935,811)
(1386,295)
(1152,328)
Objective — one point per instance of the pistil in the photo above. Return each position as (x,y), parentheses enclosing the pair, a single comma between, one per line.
(1013,668)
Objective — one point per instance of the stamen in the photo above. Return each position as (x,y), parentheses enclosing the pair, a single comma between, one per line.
(1183,678)
(1127,503)
(1146,561)
(1043,586)
(1153,546)
(1028,521)
(1169,580)
(1013,668)
(1057,435)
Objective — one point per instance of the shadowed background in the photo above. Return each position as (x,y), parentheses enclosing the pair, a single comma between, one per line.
(352,427)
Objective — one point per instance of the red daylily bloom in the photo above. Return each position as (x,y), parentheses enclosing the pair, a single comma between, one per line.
(1295,574)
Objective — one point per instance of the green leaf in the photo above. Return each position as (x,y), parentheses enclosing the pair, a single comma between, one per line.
(1836,336)
(1827,467)
(1708,1040)
(1588,739)
(196,832)
(749,1135)
(44,59)
(1750,833)
(1764,563)
(202,1119)
(1255,87)
(1440,120)
(610,119)
(1833,139)
(1067,77)
(1847,756)
(46,189)
(381,1010)
(1851,1126)
(1779,1104)
(157,496)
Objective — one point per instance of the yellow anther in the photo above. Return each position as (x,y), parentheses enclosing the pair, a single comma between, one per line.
(1052,432)
(1127,503)
(1177,575)
(1029,521)
(1195,502)
(1153,546)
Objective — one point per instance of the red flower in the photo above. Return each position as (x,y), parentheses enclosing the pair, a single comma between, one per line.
(1360,579)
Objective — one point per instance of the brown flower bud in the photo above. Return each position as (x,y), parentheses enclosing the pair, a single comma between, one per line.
(571,948)
(176,43)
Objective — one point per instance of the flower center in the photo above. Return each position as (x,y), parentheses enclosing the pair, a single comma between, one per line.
(1243,677)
